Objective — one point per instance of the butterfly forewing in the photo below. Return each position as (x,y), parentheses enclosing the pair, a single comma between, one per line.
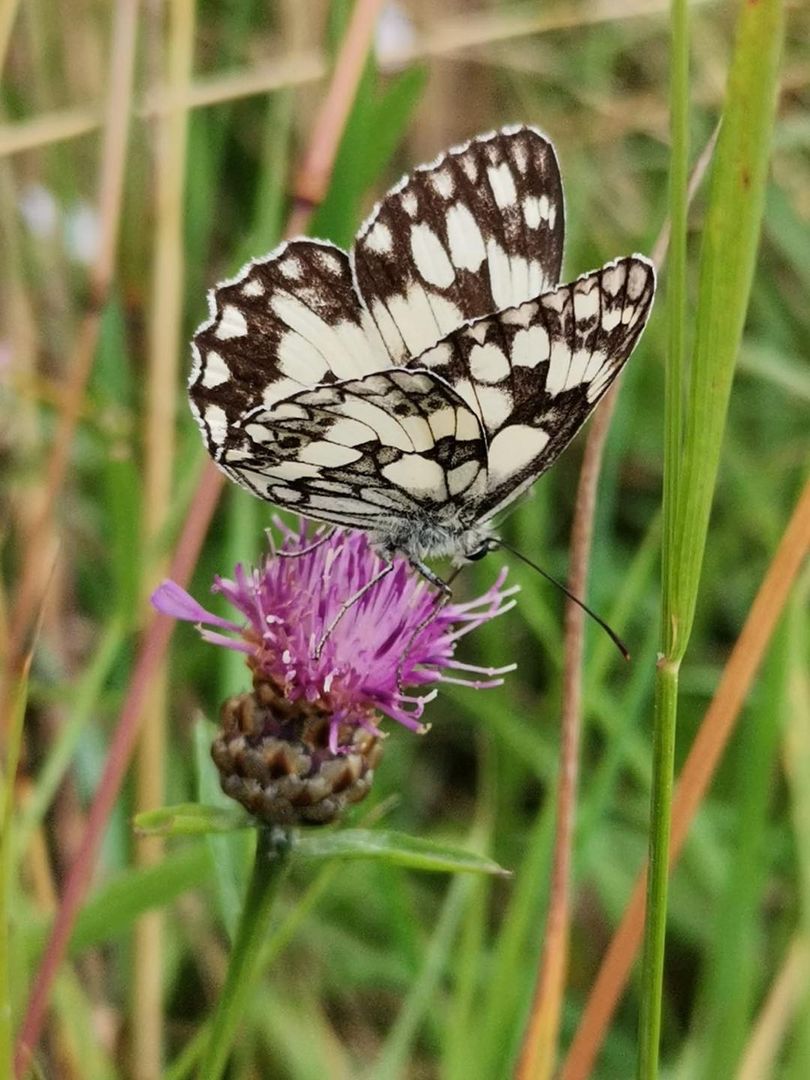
(287,322)
(478,230)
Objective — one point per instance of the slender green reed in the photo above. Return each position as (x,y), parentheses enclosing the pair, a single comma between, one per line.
(692,450)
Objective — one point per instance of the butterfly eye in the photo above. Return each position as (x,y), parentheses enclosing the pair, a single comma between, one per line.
(482,550)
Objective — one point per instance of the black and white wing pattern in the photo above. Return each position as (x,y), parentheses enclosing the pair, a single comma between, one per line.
(534,373)
(361,451)
(415,386)
(478,230)
(286,322)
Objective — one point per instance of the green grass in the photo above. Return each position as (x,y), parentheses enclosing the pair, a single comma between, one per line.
(372,969)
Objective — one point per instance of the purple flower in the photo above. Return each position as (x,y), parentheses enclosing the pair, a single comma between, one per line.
(313,633)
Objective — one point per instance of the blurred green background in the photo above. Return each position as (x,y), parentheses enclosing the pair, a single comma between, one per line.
(385,972)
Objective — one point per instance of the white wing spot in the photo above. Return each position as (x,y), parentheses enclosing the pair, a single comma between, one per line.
(520,155)
(290,268)
(586,300)
(559,360)
(576,369)
(328,453)
(636,280)
(530,347)
(217,423)
(285,494)
(478,331)
(513,449)
(531,211)
(488,363)
(464,237)
(594,366)
(410,204)
(438,356)
(470,168)
(217,371)
(443,183)
(379,239)
(520,316)
(500,275)
(329,262)
(419,432)
(254,287)
(460,478)
(503,185)
(613,279)
(496,406)
(611,317)
(442,422)
(417,474)
(350,432)
(430,257)
(232,324)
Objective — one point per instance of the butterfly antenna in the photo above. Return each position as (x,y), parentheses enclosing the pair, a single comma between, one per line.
(614,637)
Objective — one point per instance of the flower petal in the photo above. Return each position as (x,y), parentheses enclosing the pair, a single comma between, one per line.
(170,599)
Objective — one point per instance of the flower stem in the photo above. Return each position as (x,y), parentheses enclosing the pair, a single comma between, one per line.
(272,849)
(666,706)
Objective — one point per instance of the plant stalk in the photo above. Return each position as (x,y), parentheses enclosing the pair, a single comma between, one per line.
(269,868)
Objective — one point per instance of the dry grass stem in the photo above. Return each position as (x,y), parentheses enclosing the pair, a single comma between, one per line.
(701,764)
(110,192)
(165,351)
(778,1011)
(444,37)
(150,657)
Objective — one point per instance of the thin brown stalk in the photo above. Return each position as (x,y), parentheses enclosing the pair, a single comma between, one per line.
(539,1050)
(312,178)
(698,771)
(540,1044)
(113,157)
(8,13)
(150,656)
(165,350)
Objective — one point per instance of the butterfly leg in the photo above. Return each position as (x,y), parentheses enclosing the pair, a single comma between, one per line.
(431,577)
(306,551)
(444,598)
(347,604)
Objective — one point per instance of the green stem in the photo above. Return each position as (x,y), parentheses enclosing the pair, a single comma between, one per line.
(666,680)
(272,848)
(652,972)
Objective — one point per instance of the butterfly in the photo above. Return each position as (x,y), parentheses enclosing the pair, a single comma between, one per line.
(417,385)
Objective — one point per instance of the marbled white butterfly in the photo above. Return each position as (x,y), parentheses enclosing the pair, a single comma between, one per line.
(417,385)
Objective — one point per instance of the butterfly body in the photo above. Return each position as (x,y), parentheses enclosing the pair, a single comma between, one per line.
(416,386)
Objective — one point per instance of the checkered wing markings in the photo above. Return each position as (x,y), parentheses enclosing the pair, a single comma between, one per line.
(534,373)
(479,230)
(362,451)
(287,322)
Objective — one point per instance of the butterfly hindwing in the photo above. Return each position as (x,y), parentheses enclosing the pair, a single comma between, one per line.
(478,230)
(360,451)
(534,373)
(286,322)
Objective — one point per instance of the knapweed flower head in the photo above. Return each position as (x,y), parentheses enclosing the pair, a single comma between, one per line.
(334,641)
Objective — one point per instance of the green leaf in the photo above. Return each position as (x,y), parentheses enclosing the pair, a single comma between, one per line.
(394,847)
(191,819)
